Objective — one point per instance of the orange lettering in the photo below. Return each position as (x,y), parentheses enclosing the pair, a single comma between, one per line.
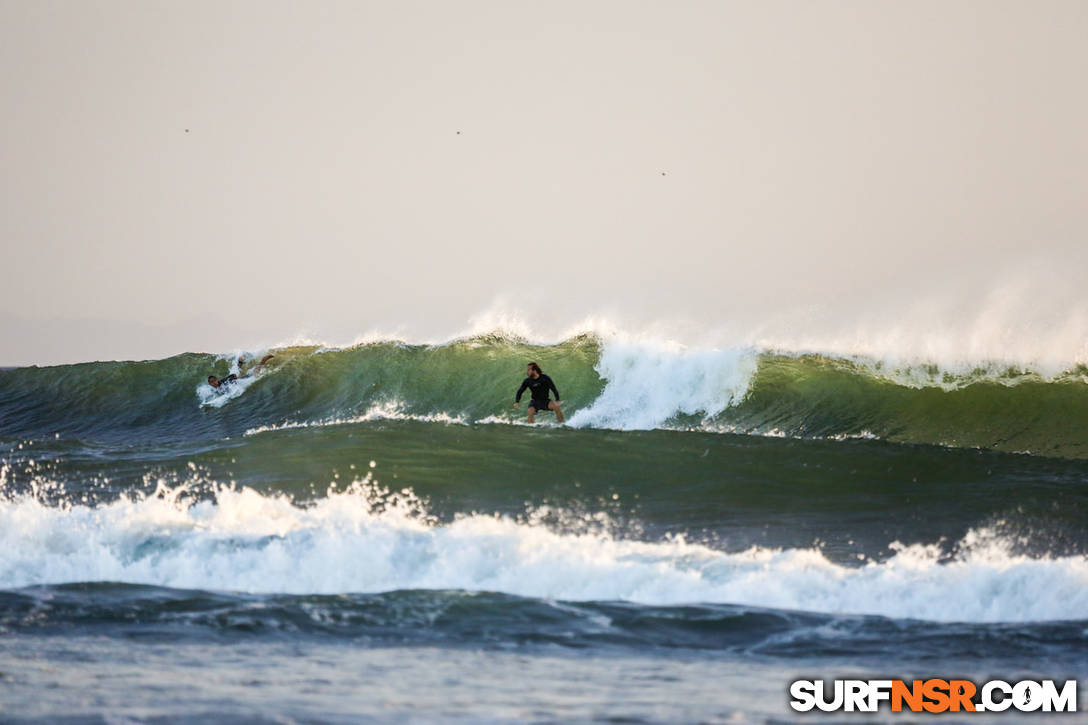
(936,691)
(912,695)
(961,692)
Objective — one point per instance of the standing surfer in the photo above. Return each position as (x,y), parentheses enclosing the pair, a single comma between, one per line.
(538,384)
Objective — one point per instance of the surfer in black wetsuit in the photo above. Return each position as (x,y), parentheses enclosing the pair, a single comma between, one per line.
(220,382)
(538,384)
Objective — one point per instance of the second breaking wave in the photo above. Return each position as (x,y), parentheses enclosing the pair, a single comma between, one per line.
(366,539)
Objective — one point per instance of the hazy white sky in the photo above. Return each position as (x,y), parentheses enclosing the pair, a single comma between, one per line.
(213,175)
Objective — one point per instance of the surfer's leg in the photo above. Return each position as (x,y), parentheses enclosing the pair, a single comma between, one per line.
(532,412)
(554,405)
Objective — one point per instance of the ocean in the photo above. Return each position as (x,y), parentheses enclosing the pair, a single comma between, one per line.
(374,534)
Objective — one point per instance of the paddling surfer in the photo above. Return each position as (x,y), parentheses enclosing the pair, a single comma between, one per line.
(538,384)
(220,382)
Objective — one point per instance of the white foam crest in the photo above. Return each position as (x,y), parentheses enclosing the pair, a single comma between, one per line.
(385,410)
(1026,320)
(251,356)
(366,540)
(1038,325)
(943,340)
(218,397)
(923,347)
(648,383)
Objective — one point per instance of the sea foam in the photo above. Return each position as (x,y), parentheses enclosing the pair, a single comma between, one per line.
(365,539)
(648,383)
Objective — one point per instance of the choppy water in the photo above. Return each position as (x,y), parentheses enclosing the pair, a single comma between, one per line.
(372,533)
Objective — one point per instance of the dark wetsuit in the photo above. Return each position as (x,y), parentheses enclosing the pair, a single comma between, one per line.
(538,389)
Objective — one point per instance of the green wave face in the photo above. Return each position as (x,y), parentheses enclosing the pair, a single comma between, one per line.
(169,400)
(1012,411)
(604,384)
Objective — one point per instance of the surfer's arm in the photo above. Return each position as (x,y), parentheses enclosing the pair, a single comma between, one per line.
(551,384)
(524,385)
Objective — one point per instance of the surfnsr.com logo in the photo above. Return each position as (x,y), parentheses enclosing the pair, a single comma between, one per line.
(933,695)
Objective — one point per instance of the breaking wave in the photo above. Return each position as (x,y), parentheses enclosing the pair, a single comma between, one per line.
(365,539)
(606,382)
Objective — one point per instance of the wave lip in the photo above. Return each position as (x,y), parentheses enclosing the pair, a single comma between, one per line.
(366,539)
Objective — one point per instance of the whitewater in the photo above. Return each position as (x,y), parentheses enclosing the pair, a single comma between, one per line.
(710,513)
(241,540)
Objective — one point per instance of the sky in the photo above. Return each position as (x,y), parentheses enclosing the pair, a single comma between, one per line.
(211,176)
